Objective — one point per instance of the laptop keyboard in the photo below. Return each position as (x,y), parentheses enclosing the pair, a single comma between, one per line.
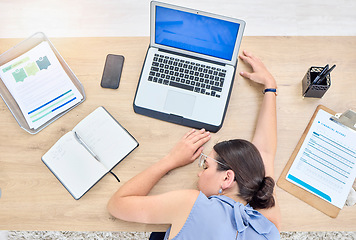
(187,75)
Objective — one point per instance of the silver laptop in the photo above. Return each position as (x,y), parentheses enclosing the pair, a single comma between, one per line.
(189,68)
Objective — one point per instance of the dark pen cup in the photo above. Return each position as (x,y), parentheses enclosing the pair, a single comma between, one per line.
(315,90)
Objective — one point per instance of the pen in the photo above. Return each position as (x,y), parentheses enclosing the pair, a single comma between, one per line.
(80,140)
(320,74)
(325,74)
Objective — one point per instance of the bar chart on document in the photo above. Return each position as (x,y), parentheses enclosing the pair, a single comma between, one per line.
(325,164)
(39,85)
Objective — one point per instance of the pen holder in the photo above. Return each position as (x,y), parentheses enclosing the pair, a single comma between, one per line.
(315,91)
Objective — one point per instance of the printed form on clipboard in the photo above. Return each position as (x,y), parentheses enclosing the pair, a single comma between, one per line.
(39,84)
(326,162)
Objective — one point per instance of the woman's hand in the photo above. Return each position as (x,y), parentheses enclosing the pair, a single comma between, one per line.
(131,203)
(188,148)
(260,73)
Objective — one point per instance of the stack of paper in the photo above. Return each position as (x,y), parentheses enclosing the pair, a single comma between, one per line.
(39,84)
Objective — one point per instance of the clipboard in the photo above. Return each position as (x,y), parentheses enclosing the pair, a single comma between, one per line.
(347,119)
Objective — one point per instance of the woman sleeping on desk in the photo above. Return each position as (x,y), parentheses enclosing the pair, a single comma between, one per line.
(236,198)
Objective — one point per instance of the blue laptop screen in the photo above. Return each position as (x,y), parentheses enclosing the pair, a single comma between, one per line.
(196,33)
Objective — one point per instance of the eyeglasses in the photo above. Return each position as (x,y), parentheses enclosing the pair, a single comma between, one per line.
(202,161)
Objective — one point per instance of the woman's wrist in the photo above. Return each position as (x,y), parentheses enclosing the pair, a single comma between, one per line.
(270,83)
(168,163)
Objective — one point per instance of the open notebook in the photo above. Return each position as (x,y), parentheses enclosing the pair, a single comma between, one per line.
(81,157)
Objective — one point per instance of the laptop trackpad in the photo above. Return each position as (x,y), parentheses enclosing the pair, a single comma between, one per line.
(179,103)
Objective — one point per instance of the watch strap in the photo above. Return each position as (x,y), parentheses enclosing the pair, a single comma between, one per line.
(274,90)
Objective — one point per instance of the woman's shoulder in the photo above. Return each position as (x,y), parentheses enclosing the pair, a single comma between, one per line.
(245,215)
(184,202)
(186,195)
(219,216)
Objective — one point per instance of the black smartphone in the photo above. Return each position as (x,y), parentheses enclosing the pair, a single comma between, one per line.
(112,71)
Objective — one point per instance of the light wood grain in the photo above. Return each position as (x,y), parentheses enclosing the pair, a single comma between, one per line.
(33,199)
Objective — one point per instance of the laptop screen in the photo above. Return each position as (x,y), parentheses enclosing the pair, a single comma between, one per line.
(196,33)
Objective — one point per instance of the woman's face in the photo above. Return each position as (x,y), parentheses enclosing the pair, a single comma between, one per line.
(210,179)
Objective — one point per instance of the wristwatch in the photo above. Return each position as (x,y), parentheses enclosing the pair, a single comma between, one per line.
(274,90)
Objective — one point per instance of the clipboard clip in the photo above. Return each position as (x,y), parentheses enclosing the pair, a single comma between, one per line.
(347,119)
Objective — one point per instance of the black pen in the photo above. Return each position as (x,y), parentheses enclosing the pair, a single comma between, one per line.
(320,74)
(325,74)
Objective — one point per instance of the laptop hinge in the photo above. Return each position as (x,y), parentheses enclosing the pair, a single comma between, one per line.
(189,56)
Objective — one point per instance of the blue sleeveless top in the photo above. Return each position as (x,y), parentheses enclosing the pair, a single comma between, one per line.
(220,217)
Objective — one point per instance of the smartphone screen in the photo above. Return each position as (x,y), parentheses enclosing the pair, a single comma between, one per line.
(112,71)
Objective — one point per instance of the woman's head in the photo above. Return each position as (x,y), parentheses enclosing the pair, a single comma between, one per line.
(244,160)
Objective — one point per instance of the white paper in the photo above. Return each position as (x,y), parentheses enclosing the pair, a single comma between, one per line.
(73,165)
(325,163)
(39,84)
(105,137)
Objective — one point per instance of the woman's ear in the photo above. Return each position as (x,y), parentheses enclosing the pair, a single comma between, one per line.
(229,179)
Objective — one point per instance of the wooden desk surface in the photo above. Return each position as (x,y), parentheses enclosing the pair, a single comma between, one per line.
(33,199)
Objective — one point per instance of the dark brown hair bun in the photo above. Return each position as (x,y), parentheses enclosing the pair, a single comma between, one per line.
(245,160)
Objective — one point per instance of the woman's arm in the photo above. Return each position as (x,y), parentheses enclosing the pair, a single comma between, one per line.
(131,202)
(265,137)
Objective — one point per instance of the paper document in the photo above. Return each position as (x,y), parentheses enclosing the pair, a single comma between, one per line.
(39,84)
(325,163)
